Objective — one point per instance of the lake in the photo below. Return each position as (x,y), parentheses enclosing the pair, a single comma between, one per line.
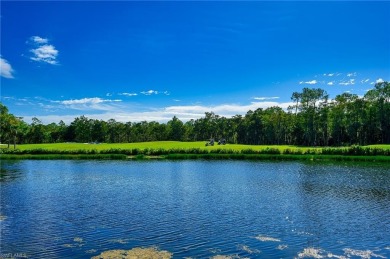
(197,209)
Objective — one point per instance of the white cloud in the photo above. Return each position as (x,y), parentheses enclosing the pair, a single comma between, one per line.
(349,82)
(166,93)
(45,53)
(227,110)
(150,92)
(379,80)
(164,114)
(312,82)
(365,81)
(89,104)
(39,40)
(330,83)
(93,100)
(129,94)
(351,74)
(330,74)
(42,51)
(5,69)
(265,98)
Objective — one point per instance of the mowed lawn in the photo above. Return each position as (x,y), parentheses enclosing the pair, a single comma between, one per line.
(162,145)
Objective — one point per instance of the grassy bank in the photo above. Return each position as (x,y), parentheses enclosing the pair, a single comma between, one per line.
(279,157)
(208,156)
(194,150)
(166,145)
(63,157)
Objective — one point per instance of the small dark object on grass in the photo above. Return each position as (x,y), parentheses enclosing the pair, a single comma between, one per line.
(222,142)
(211,143)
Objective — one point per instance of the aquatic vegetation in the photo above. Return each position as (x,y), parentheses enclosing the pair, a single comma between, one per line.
(69,245)
(78,239)
(282,247)
(119,241)
(330,255)
(248,249)
(215,250)
(311,252)
(227,257)
(135,253)
(267,239)
(366,254)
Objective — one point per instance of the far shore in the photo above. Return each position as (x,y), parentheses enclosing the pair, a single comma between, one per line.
(175,150)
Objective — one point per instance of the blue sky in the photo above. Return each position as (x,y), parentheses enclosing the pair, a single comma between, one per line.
(134,61)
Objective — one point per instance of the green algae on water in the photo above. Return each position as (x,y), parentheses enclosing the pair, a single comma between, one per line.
(135,253)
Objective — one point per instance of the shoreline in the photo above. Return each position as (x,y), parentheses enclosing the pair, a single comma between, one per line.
(194,156)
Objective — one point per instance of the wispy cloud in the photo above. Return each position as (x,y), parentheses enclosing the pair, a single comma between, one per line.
(330,83)
(265,98)
(312,82)
(87,104)
(226,110)
(365,81)
(129,94)
(330,74)
(150,92)
(5,68)
(39,40)
(349,82)
(45,53)
(93,100)
(351,74)
(42,51)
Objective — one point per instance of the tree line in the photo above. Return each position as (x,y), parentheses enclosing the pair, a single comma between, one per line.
(313,120)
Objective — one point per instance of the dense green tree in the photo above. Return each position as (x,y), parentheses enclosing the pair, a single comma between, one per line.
(312,120)
(176,129)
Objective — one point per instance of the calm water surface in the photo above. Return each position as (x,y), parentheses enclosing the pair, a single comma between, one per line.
(198,209)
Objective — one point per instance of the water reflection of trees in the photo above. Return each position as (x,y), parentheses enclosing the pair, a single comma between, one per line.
(9,171)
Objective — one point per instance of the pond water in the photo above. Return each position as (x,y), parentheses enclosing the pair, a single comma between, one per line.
(197,209)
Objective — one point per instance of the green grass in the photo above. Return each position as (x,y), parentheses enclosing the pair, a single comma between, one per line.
(194,150)
(154,145)
(167,145)
(382,146)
